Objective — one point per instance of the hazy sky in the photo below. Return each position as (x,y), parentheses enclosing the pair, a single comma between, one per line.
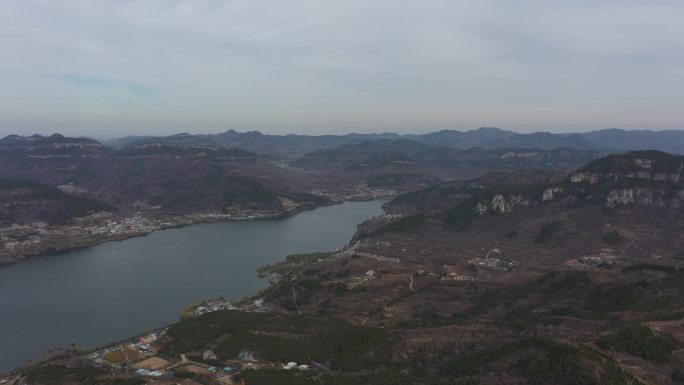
(111,68)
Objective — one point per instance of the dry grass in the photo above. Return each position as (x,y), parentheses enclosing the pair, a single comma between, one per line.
(192,368)
(121,355)
(152,363)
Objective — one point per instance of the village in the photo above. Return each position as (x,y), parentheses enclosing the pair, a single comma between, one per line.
(359,192)
(32,238)
(18,241)
(138,357)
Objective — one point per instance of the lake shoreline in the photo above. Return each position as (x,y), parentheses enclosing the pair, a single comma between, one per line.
(181,221)
(164,273)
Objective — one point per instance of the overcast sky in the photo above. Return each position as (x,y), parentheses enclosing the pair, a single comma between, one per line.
(112,68)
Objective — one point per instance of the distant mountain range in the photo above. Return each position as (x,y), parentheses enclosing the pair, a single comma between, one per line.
(185,173)
(159,177)
(403,164)
(293,146)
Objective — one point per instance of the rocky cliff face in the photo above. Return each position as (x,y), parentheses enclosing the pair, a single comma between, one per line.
(504,203)
(645,178)
(596,177)
(612,198)
(46,146)
(644,197)
(643,165)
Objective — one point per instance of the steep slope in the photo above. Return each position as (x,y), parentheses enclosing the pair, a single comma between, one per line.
(156,177)
(25,202)
(620,206)
(406,165)
(654,175)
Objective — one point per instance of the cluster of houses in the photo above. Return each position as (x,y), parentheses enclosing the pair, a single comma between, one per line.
(452,274)
(212,306)
(356,192)
(131,225)
(359,280)
(18,237)
(150,373)
(293,365)
(121,354)
(490,263)
(14,242)
(593,260)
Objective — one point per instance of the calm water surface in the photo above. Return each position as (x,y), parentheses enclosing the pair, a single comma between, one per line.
(118,289)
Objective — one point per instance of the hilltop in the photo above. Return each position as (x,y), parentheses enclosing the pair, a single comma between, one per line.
(617,206)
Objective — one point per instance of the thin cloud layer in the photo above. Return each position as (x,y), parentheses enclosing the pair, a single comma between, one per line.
(110,68)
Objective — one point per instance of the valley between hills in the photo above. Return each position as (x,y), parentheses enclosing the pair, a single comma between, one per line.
(491,265)
(61,193)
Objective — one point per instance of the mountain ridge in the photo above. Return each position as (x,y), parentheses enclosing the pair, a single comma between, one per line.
(294,145)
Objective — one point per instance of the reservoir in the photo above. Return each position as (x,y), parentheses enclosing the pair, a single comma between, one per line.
(118,289)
